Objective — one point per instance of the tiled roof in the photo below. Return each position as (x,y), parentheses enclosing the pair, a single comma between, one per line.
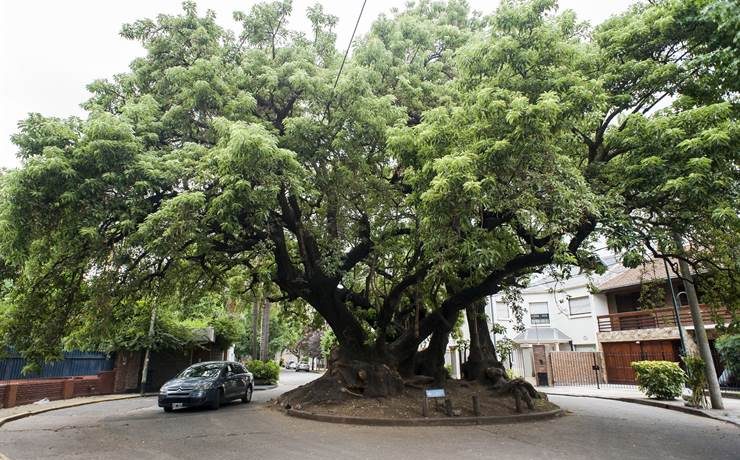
(652,270)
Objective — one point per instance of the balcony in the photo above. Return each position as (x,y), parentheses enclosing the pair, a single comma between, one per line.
(651,319)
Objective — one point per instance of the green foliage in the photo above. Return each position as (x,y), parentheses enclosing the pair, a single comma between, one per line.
(264,370)
(659,379)
(456,156)
(729,350)
(504,348)
(695,380)
(328,343)
(652,294)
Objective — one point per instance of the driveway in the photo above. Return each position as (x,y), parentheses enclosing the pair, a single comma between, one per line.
(137,429)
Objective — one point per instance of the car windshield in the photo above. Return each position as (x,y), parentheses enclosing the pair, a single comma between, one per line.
(205,370)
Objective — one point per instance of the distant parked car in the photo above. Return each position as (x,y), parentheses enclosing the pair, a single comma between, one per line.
(290,365)
(302,367)
(207,384)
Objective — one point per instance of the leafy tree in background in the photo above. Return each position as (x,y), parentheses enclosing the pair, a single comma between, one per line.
(456,155)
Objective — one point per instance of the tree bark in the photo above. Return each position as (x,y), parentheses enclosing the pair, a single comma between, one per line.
(265,338)
(715,395)
(482,351)
(255,329)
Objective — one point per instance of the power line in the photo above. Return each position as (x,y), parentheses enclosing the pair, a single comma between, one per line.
(349,45)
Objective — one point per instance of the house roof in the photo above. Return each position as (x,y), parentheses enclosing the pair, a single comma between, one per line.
(541,335)
(649,271)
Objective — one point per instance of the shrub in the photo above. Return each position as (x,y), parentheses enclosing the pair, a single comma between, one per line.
(729,350)
(659,379)
(268,371)
(696,380)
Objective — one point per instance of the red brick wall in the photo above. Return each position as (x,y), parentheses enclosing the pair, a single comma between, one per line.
(28,391)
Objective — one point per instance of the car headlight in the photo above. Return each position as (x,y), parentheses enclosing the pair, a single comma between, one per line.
(203,385)
(163,390)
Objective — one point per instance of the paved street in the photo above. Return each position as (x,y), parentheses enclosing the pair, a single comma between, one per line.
(137,429)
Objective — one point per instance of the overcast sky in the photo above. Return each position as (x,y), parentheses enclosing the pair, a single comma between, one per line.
(50,50)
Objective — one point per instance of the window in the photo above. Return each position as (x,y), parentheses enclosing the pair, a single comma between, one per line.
(579,305)
(538,313)
(502,311)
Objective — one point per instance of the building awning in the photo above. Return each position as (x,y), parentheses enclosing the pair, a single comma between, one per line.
(534,335)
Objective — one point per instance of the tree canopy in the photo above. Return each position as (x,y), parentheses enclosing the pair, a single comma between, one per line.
(455,154)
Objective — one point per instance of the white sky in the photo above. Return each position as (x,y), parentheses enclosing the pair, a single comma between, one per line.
(50,50)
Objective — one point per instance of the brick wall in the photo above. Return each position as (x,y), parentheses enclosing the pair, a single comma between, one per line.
(128,371)
(17,392)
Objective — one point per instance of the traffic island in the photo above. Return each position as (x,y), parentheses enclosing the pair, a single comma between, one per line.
(428,421)
(457,403)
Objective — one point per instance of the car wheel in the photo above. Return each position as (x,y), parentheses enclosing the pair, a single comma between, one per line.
(167,408)
(217,402)
(247,395)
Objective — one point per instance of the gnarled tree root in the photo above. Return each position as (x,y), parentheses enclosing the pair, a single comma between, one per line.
(346,380)
(518,388)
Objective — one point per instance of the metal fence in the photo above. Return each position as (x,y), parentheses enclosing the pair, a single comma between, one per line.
(74,363)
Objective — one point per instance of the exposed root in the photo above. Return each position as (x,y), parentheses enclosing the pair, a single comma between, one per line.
(519,389)
(346,379)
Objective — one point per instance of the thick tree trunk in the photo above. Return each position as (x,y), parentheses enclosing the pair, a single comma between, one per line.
(265,338)
(482,351)
(255,329)
(431,361)
(347,377)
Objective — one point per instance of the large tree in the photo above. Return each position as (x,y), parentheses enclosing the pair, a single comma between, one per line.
(453,155)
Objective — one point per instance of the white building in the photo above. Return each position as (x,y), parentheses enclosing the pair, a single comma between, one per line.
(558,316)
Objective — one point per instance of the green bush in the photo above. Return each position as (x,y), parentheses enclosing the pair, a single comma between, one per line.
(267,371)
(659,379)
(696,380)
(729,350)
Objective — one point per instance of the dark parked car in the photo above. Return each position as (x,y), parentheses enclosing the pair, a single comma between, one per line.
(207,384)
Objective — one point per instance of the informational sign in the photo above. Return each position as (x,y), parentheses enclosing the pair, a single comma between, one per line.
(436,393)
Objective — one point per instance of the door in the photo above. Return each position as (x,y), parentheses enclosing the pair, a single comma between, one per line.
(231,383)
(540,364)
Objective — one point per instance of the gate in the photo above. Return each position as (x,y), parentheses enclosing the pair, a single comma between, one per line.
(618,358)
(577,368)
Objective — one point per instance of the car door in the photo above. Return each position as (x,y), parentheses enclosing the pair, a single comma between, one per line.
(241,379)
(231,383)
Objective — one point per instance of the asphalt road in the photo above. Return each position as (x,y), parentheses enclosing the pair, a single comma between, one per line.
(137,429)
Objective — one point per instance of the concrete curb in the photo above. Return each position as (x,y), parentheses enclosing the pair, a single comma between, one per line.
(262,388)
(442,421)
(655,403)
(41,410)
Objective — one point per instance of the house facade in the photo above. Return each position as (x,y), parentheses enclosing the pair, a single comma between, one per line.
(613,314)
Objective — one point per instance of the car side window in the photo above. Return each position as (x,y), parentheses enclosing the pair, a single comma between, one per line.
(240,369)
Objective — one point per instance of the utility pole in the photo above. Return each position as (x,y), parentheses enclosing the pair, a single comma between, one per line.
(676,308)
(145,369)
(705,352)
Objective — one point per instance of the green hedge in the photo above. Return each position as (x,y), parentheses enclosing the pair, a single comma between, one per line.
(268,371)
(659,379)
(729,350)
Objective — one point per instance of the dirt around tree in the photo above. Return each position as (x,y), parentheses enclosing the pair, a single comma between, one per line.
(322,397)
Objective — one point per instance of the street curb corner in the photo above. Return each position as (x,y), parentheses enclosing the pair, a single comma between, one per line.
(443,421)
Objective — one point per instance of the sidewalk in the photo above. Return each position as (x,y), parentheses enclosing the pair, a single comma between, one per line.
(730,414)
(14,413)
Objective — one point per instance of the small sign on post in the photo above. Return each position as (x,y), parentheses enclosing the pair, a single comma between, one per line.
(435,393)
(432,393)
